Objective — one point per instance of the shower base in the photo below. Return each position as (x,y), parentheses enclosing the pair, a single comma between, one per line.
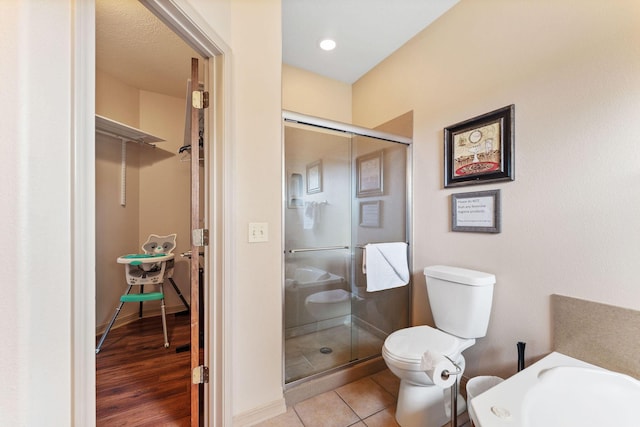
(307,355)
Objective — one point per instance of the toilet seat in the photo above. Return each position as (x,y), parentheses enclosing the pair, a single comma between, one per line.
(407,346)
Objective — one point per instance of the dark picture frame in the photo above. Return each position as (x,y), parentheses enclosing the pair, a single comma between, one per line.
(477,211)
(370,174)
(481,149)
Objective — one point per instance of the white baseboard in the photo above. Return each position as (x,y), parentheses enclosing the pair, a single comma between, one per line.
(262,413)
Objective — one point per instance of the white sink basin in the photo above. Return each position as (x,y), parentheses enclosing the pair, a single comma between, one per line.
(560,391)
(566,396)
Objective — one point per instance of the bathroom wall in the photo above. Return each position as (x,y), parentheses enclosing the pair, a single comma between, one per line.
(157,197)
(308,93)
(569,220)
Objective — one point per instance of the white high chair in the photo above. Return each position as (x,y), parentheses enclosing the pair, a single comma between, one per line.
(149,268)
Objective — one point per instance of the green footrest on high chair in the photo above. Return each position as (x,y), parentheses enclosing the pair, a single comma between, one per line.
(150,296)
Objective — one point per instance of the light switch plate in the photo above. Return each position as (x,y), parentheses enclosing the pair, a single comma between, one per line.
(258,232)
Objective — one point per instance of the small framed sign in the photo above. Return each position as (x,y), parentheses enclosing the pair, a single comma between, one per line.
(370,214)
(478,211)
(369,169)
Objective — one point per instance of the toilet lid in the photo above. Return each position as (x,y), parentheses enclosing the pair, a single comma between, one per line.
(411,343)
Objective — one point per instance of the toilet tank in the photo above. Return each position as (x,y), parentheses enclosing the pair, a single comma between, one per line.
(460,299)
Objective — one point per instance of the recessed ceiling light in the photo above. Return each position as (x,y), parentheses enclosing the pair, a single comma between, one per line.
(327,44)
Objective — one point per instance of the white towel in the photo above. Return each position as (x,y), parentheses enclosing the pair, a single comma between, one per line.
(385,265)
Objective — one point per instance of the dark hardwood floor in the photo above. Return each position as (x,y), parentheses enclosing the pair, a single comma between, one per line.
(138,381)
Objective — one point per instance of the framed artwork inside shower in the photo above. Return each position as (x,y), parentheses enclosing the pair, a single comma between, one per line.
(477,211)
(370,213)
(314,177)
(370,179)
(480,150)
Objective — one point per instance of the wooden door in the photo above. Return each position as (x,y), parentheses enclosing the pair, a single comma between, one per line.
(198,241)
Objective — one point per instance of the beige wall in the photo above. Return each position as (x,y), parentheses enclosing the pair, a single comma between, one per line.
(309,93)
(570,218)
(116,226)
(256,310)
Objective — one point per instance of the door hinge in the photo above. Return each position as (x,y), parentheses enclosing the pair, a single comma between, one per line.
(200,237)
(200,375)
(200,99)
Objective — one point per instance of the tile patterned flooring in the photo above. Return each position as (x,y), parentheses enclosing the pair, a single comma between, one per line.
(368,402)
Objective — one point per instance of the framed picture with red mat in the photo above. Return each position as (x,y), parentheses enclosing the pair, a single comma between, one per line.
(480,150)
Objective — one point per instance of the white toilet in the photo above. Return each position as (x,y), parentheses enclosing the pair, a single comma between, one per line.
(460,301)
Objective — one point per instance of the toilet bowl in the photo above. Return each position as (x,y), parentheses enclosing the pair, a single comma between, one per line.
(460,301)
(328,304)
(420,402)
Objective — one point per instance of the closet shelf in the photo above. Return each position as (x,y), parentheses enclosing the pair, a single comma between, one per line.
(119,130)
(125,134)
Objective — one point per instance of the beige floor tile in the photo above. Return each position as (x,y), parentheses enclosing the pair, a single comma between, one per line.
(388,381)
(365,397)
(325,410)
(288,419)
(384,418)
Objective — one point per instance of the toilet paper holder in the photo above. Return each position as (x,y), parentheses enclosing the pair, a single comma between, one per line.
(446,374)
(454,390)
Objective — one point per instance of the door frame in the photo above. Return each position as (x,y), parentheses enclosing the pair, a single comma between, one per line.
(193,29)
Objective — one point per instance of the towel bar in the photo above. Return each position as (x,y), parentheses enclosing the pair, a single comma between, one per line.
(327,248)
(363,246)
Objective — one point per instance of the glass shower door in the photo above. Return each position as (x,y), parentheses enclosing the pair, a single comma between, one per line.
(379,207)
(342,191)
(317,297)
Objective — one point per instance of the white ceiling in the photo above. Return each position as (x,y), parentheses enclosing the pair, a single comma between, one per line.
(135,47)
(366,32)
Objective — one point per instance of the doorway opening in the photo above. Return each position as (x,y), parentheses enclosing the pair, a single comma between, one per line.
(150,195)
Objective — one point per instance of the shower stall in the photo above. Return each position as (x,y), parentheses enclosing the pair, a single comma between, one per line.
(344,187)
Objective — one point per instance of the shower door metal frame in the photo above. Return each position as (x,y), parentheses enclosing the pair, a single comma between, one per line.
(303,119)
